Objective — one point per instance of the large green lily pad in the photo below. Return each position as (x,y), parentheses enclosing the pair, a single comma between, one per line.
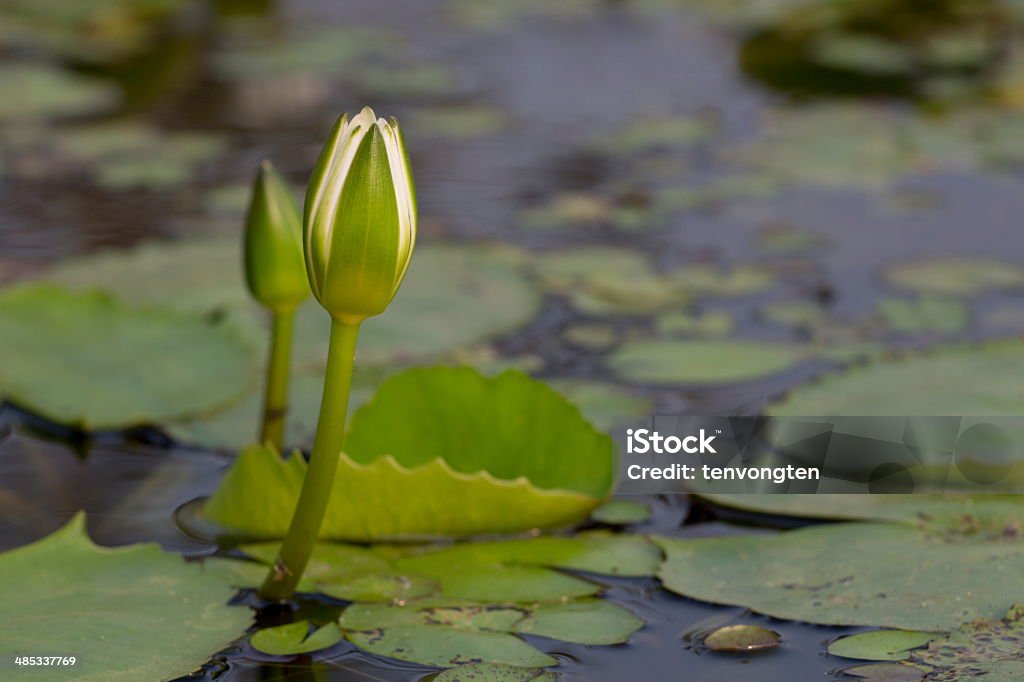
(88,360)
(534,462)
(125,614)
(453,296)
(851,574)
(702,362)
(964,380)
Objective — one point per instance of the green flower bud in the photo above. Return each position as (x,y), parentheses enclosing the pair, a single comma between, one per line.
(360,218)
(275,268)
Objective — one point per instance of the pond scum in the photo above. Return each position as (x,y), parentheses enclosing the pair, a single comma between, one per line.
(790,208)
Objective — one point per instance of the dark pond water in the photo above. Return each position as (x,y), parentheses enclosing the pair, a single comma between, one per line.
(559,82)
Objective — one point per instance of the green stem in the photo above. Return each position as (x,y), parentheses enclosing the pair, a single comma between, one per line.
(275,398)
(323,463)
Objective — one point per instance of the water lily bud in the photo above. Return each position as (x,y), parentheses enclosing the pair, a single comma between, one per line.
(275,268)
(360,218)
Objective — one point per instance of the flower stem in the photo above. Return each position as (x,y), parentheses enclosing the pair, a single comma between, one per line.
(275,397)
(323,463)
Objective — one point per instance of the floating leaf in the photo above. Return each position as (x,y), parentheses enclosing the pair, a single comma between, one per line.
(458,122)
(884,672)
(585,621)
(715,323)
(955,276)
(606,405)
(317,51)
(988,650)
(444,646)
(90,30)
(711,281)
(592,336)
(964,380)
(295,638)
(454,296)
(982,514)
(702,362)
(929,314)
(880,645)
(603,553)
(849,574)
(621,512)
(379,587)
(30,92)
(113,609)
(487,672)
(646,134)
(606,280)
(88,360)
(744,638)
(535,462)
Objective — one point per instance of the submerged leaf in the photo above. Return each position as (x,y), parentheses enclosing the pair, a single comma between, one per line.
(88,360)
(126,614)
(850,574)
(742,638)
(295,638)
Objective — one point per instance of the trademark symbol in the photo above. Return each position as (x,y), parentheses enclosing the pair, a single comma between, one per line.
(718,430)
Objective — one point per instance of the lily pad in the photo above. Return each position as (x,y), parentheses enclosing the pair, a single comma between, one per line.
(320,51)
(621,512)
(711,281)
(104,607)
(582,621)
(985,649)
(460,122)
(881,645)
(445,646)
(983,514)
(535,462)
(702,362)
(605,405)
(488,672)
(963,380)
(848,575)
(884,672)
(605,280)
(88,360)
(742,638)
(956,276)
(295,638)
(928,314)
(585,621)
(90,30)
(713,323)
(31,92)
